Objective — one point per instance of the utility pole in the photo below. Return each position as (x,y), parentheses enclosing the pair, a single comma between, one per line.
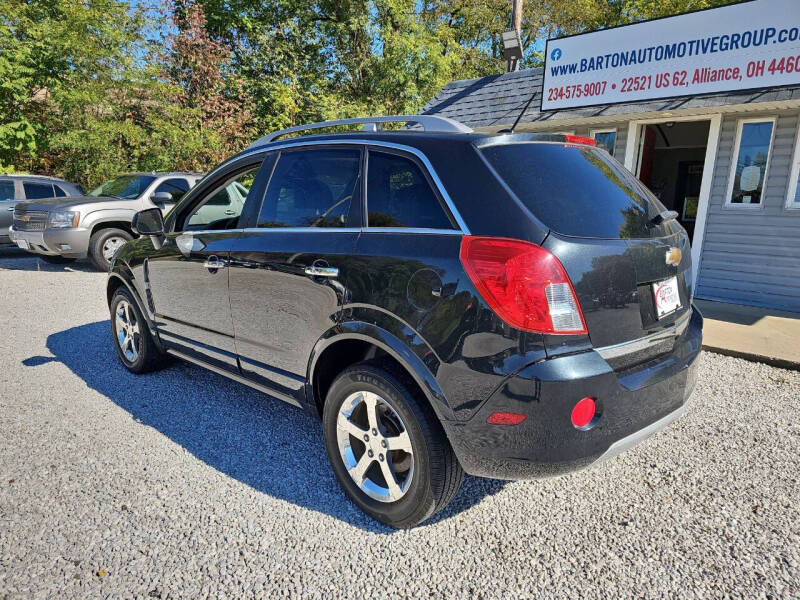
(516,15)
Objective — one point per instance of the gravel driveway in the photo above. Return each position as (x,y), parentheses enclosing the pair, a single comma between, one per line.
(184,484)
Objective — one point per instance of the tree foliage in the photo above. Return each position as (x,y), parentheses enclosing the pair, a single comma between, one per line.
(91,88)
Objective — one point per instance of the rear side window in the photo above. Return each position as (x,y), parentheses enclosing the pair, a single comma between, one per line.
(59,192)
(575,190)
(399,195)
(6,190)
(311,188)
(37,191)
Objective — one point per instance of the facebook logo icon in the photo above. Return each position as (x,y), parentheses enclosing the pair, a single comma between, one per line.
(555,54)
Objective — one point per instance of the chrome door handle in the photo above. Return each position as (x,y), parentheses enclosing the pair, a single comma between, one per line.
(322,271)
(215,262)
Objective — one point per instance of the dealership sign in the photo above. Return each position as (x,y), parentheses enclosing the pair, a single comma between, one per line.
(743,46)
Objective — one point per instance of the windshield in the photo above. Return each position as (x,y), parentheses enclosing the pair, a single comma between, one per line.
(124,186)
(575,190)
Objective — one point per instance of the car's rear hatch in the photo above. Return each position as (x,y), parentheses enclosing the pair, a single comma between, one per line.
(605,230)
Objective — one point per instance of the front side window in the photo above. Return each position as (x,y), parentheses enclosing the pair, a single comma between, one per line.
(399,195)
(312,188)
(174,187)
(223,205)
(127,187)
(6,191)
(606,139)
(751,158)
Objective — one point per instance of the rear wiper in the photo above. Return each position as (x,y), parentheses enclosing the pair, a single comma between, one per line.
(663,217)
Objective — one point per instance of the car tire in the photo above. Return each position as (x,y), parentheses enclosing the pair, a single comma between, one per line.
(57,260)
(131,335)
(104,243)
(427,475)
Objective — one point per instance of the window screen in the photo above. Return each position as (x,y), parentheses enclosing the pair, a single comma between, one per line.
(398,195)
(311,188)
(35,191)
(606,139)
(751,162)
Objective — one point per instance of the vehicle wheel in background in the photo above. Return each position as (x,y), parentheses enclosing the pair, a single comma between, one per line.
(56,260)
(104,244)
(132,340)
(387,447)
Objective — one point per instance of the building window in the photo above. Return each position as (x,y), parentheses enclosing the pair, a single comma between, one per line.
(605,138)
(749,170)
(793,197)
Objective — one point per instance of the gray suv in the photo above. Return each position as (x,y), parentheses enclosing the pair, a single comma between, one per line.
(20,187)
(97,224)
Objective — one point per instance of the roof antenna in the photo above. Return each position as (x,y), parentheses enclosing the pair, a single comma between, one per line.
(522,112)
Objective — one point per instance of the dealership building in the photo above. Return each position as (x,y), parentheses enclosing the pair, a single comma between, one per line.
(718,140)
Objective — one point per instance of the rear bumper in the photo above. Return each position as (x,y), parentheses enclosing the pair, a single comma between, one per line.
(71,243)
(632,405)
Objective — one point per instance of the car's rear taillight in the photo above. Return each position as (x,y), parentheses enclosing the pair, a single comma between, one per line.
(523,283)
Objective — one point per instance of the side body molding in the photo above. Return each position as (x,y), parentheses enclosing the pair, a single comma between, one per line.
(421,363)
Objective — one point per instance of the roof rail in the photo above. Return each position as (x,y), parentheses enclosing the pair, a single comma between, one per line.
(427,122)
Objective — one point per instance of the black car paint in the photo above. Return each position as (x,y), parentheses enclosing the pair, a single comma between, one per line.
(406,293)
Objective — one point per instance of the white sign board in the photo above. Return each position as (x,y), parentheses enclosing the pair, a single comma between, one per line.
(743,46)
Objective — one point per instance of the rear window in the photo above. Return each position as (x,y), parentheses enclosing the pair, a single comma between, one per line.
(575,190)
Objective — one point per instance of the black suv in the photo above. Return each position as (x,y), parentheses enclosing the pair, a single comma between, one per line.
(509,305)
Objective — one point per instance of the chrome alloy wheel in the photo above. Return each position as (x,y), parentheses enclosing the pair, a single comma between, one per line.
(374,446)
(111,245)
(129,336)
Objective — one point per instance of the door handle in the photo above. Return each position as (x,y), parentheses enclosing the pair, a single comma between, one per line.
(230,211)
(214,262)
(10,209)
(322,271)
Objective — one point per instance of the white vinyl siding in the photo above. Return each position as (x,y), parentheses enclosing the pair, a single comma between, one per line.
(753,256)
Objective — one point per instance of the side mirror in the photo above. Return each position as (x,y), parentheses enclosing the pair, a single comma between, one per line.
(148,222)
(162,198)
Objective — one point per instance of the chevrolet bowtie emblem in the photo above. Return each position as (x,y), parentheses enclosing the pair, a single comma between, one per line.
(24,218)
(674,256)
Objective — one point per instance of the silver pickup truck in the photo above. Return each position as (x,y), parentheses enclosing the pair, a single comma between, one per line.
(65,229)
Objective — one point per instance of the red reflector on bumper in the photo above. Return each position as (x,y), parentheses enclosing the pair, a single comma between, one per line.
(583,412)
(505,418)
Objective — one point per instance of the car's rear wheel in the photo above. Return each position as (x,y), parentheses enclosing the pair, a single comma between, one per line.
(56,260)
(103,245)
(132,340)
(387,447)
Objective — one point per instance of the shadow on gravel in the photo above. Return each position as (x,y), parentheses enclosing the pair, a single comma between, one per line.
(271,446)
(15,259)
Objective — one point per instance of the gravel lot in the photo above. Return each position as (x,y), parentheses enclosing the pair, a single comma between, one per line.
(185,484)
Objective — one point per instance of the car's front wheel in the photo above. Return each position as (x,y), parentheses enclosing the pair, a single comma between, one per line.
(387,447)
(103,245)
(132,340)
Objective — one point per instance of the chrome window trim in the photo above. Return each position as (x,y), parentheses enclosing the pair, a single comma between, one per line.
(300,229)
(406,230)
(368,143)
(413,230)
